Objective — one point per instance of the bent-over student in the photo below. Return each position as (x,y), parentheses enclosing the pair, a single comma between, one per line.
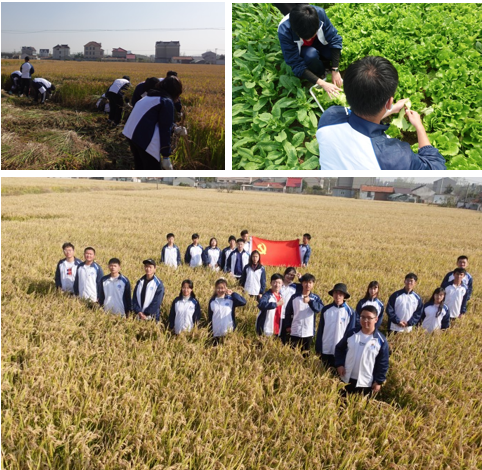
(42,88)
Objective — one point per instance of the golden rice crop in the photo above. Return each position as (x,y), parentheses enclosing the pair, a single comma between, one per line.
(82,389)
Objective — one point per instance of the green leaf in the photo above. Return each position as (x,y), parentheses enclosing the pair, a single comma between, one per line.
(298,139)
(239,52)
(251,166)
(312,164)
(301,115)
(280,137)
(312,147)
(260,104)
(244,152)
(290,153)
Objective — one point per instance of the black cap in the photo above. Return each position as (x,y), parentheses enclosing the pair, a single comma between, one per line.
(149,261)
(342,288)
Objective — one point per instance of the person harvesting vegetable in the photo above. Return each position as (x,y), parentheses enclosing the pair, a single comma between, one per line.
(355,139)
(309,41)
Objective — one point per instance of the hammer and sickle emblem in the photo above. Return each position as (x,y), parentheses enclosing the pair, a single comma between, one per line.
(262,248)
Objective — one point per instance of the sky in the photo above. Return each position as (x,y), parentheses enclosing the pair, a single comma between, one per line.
(22,19)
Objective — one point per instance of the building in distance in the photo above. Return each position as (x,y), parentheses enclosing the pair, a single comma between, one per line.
(166,50)
(93,51)
(61,52)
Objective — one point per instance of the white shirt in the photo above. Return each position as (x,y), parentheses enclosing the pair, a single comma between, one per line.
(359,347)
(196,252)
(25,69)
(67,275)
(454,295)
(87,282)
(336,323)
(222,322)
(114,288)
(184,315)
(303,324)
(405,307)
(213,255)
(431,322)
(170,256)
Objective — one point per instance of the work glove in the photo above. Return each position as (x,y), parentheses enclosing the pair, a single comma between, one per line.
(166,164)
(180,130)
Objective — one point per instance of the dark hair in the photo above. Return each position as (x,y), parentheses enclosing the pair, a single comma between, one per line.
(214,238)
(114,261)
(27,58)
(221,281)
(231,237)
(372,284)
(276,276)
(307,278)
(190,284)
(288,270)
(239,240)
(411,276)
(194,235)
(460,271)
(462,257)
(67,245)
(150,83)
(126,77)
(371,309)
(307,235)
(369,83)
(304,21)
(171,73)
(438,290)
(251,257)
(89,248)
(244,232)
(169,235)
(171,85)
(52,87)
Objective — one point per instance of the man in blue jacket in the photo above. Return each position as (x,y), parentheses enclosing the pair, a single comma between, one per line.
(355,139)
(309,42)
(148,294)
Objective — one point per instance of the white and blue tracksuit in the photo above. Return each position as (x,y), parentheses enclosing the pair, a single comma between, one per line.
(305,253)
(115,294)
(65,274)
(265,321)
(150,122)
(171,256)
(193,256)
(253,280)
(87,281)
(15,77)
(236,262)
(221,313)
(184,314)
(432,319)
(287,292)
(335,321)
(467,281)
(403,306)
(369,366)
(301,316)
(211,257)
(42,87)
(225,255)
(375,302)
(348,142)
(456,299)
(291,43)
(151,307)
(27,70)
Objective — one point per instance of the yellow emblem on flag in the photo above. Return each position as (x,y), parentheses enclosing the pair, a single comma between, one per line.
(262,249)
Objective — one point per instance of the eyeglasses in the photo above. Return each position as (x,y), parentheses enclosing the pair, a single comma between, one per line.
(367,318)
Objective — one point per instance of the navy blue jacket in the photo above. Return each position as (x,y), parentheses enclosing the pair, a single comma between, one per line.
(154,308)
(321,325)
(238,301)
(195,317)
(179,262)
(58,281)
(99,276)
(126,298)
(467,281)
(445,319)
(358,311)
(307,256)
(205,256)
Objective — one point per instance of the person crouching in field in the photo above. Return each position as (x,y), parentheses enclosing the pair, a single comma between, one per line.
(149,126)
(142,89)
(88,276)
(362,356)
(211,255)
(435,315)
(42,88)
(335,320)
(115,95)
(194,252)
(253,278)
(27,71)
(185,309)
(221,310)
(371,298)
(171,254)
(115,290)
(301,313)
(67,269)
(16,78)
(268,321)
(148,294)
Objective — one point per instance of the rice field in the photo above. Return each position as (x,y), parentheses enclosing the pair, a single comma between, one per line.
(84,390)
(68,133)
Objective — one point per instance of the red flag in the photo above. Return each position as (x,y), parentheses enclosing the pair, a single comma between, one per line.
(277,253)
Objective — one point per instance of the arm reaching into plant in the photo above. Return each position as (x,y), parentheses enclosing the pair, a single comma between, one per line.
(330,88)
(416,121)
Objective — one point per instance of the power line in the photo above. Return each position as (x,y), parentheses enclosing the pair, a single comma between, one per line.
(11,31)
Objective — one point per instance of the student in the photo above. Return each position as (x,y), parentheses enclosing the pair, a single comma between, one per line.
(288,289)
(462,262)
(185,309)
(149,126)
(221,310)
(227,251)
(88,276)
(253,278)
(404,307)
(335,320)
(309,42)
(301,313)
(305,250)
(171,254)
(115,290)
(193,256)
(16,78)
(247,241)
(456,294)
(211,256)
(115,95)
(177,102)
(148,294)
(268,321)
(43,88)
(27,71)
(355,139)
(362,356)
(66,269)
(371,298)
(237,260)
(142,89)
(436,315)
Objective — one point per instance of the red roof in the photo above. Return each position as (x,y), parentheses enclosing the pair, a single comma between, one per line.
(119,49)
(377,189)
(294,182)
(267,184)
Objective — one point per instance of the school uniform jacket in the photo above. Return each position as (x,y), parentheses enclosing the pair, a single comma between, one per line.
(266,316)
(153,299)
(253,280)
(87,281)
(224,257)
(16,75)
(467,280)
(335,321)
(168,259)
(404,307)
(65,276)
(431,320)
(150,122)
(41,85)
(27,70)
(184,314)
(232,262)
(207,256)
(221,313)
(119,86)
(456,299)
(287,292)
(139,93)
(348,142)
(377,303)
(373,362)
(115,294)
(305,253)
(291,43)
(300,317)
(193,256)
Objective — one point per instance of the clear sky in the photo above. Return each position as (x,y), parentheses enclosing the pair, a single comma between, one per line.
(25,18)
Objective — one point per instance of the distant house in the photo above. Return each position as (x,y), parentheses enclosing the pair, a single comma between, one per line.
(442,184)
(29,51)
(294,185)
(61,52)
(166,50)
(444,199)
(181,60)
(268,186)
(314,182)
(93,51)
(422,193)
(119,53)
(43,53)
(375,193)
(209,57)
(131,57)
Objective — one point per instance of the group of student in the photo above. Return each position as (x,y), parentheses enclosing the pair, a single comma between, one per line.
(347,340)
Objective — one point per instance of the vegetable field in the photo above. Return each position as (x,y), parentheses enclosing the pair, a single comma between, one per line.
(68,133)
(85,390)
(436,48)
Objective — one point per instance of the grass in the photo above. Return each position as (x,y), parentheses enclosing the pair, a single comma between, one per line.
(81,389)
